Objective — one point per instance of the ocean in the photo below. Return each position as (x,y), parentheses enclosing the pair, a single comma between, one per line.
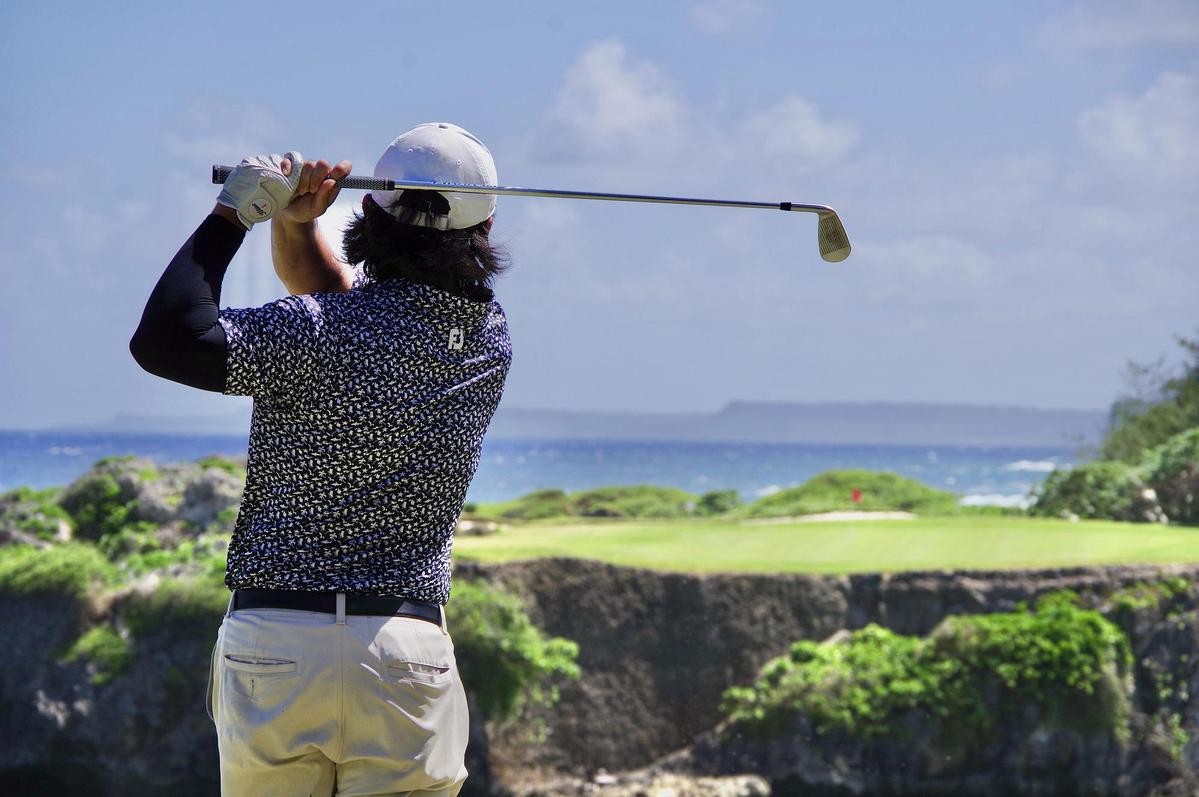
(510,468)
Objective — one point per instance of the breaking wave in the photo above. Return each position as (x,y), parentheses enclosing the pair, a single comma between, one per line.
(996,499)
(1032,465)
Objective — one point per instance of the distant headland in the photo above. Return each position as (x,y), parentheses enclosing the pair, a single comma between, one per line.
(881,423)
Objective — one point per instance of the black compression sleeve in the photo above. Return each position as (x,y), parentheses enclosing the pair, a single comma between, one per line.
(179,337)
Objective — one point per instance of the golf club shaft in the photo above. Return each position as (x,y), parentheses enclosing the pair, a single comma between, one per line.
(834,244)
(219,173)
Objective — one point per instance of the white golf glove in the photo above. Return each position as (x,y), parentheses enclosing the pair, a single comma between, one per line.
(257,188)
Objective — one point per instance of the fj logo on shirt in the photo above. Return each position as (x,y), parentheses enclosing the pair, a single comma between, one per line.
(456,339)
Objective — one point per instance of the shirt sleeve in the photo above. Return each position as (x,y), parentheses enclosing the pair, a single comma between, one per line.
(273,350)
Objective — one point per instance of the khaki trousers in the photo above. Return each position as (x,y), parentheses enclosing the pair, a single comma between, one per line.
(307,703)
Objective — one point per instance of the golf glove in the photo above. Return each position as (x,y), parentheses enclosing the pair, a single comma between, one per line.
(257,188)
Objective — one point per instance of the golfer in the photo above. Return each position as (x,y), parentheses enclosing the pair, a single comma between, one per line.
(373,385)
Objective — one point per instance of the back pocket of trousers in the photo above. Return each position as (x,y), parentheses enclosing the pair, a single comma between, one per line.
(432,674)
(259,678)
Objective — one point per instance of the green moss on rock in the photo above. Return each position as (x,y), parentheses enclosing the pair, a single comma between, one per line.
(33,512)
(231,466)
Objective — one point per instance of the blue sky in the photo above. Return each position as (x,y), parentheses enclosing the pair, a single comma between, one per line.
(1018,179)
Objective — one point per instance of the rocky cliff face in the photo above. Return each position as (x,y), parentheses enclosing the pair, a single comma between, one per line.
(656,650)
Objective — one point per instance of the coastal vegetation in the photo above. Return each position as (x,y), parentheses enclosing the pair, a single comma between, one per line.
(831,491)
(1066,662)
(637,501)
(505,659)
(133,555)
(72,569)
(158,583)
(1160,403)
(1148,465)
(862,490)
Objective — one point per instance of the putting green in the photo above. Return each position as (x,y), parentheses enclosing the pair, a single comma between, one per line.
(935,543)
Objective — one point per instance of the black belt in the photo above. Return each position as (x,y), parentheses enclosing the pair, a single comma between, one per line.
(327,602)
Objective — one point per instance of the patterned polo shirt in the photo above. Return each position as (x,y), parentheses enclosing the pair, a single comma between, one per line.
(369,413)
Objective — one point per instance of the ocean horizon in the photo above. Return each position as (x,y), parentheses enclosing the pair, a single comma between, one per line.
(509,468)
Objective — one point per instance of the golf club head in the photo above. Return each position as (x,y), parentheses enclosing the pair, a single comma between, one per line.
(834,243)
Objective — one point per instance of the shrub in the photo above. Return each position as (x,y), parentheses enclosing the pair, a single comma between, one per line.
(135,538)
(1149,594)
(538,505)
(1135,430)
(228,464)
(638,501)
(1102,490)
(1162,404)
(1172,470)
(505,660)
(1069,662)
(106,650)
(718,502)
(178,606)
(227,518)
(832,491)
(71,569)
(97,503)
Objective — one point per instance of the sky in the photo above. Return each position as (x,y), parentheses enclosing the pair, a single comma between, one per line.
(1019,181)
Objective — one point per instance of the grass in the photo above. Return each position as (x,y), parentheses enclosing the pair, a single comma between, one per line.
(934,543)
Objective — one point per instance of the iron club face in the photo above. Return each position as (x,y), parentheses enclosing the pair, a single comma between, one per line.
(834,243)
(831,237)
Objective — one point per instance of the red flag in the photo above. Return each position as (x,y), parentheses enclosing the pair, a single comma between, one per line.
(856,496)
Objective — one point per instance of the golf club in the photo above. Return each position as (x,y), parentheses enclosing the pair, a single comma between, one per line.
(830,233)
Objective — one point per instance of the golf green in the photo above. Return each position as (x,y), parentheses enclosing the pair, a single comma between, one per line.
(934,543)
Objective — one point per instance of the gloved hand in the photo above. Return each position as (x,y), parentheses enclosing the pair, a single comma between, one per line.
(258,188)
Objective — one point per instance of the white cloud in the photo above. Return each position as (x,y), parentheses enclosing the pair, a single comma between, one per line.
(1151,136)
(927,270)
(1117,24)
(613,105)
(995,200)
(718,17)
(621,120)
(793,136)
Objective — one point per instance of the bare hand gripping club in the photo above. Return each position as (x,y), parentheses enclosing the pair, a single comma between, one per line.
(830,233)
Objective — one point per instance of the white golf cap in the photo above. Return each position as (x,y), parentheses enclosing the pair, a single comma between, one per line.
(439,152)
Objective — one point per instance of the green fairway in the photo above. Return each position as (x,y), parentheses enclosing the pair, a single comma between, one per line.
(935,543)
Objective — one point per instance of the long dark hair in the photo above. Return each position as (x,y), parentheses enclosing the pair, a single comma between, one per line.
(463,262)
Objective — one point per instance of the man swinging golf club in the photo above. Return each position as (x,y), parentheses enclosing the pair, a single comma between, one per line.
(373,385)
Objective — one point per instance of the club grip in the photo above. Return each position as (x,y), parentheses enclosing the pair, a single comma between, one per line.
(221,173)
